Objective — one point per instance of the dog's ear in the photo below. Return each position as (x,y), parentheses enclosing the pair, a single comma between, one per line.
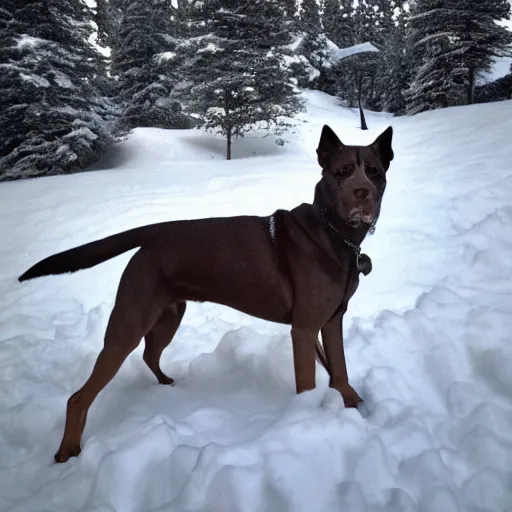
(382,146)
(329,144)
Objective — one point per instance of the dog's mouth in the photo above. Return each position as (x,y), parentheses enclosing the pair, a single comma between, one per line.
(359,215)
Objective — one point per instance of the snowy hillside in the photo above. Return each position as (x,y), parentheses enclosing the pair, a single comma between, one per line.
(428,335)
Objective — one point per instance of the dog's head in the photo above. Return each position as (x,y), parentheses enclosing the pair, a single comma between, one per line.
(355,175)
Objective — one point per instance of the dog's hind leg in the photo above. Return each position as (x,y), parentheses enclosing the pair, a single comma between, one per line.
(160,335)
(141,298)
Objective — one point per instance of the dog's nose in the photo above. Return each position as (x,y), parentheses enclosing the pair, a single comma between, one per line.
(361,193)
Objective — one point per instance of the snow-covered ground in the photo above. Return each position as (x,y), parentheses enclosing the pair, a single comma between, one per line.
(428,335)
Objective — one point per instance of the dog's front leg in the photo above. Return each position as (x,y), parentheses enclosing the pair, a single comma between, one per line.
(332,337)
(304,342)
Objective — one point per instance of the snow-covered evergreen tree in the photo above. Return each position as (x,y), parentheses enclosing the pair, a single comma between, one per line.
(313,53)
(452,42)
(377,79)
(290,8)
(392,76)
(370,17)
(366,21)
(191,18)
(147,67)
(397,68)
(478,37)
(238,78)
(311,45)
(310,17)
(338,22)
(355,75)
(105,20)
(436,83)
(52,116)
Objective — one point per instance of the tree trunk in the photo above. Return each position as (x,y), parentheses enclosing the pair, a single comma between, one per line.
(228,150)
(229,127)
(471,85)
(364,126)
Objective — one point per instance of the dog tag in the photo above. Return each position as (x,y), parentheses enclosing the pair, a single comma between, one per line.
(364,264)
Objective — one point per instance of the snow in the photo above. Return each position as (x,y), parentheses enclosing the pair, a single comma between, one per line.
(297,41)
(335,53)
(93,40)
(36,80)
(165,56)
(427,334)
(210,47)
(26,42)
(343,53)
(82,132)
(289,60)
(62,80)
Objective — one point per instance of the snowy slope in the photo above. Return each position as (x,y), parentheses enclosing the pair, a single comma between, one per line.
(428,335)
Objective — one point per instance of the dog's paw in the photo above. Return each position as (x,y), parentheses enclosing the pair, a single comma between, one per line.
(66,452)
(166,380)
(350,396)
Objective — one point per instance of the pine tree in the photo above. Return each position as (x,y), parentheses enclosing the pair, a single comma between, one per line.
(108,16)
(365,22)
(453,41)
(382,18)
(52,116)
(238,80)
(392,72)
(290,8)
(478,37)
(368,65)
(397,66)
(355,75)
(312,49)
(310,17)
(436,83)
(147,67)
(338,22)
(104,22)
(192,18)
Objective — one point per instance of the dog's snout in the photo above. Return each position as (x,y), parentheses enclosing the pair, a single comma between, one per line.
(361,193)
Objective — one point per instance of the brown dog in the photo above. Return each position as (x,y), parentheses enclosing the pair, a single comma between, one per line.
(297,267)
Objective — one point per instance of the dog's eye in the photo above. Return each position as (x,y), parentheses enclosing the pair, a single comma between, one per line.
(345,170)
(371,171)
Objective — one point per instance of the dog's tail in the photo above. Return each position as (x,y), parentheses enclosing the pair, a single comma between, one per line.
(91,254)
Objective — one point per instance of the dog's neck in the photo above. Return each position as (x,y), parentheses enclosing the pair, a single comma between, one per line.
(325,211)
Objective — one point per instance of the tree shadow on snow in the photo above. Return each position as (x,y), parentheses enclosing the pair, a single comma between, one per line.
(252,145)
